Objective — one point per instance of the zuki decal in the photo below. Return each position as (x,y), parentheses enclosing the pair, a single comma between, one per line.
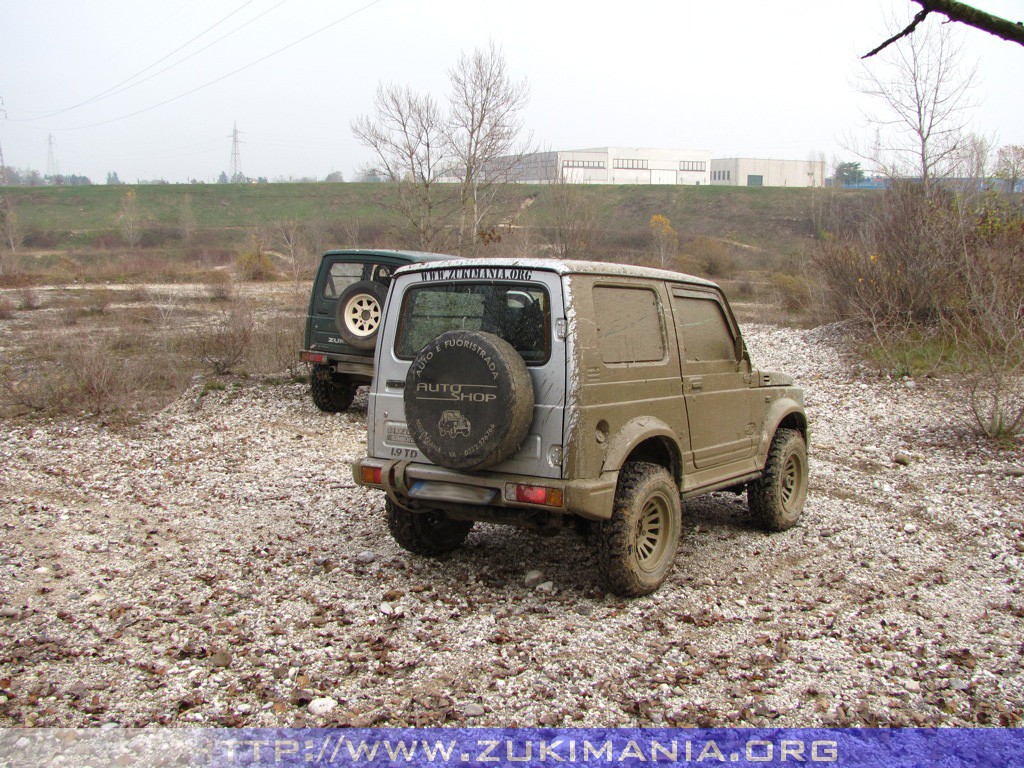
(476,273)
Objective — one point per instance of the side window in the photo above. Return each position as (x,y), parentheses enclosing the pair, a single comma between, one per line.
(705,331)
(629,328)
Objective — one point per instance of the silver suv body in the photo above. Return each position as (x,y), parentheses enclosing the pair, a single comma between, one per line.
(547,393)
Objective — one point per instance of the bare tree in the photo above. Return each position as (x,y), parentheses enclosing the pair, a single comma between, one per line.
(186,220)
(407,133)
(485,122)
(449,168)
(976,159)
(128,219)
(293,238)
(575,218)
(1010,165)
(924,90)
(965,14)
(9,227)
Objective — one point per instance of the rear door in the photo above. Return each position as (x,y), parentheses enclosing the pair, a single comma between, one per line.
(522,306)
(334,277)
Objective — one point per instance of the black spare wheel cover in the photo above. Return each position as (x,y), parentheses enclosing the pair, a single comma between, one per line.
(468,400)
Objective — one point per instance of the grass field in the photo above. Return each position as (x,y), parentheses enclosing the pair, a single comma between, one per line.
(777,219)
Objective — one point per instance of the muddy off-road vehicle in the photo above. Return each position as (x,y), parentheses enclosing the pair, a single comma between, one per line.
(343,318)
(551,395)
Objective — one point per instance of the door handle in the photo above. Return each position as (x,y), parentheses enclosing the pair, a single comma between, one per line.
(696,383)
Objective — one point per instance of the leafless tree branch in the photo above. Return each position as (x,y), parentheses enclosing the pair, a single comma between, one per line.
(1011,31)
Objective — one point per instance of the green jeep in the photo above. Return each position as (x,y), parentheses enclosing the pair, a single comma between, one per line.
(344,314)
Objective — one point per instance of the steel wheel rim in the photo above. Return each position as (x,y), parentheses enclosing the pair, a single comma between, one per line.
(362,315)
(651,534)
(791,482)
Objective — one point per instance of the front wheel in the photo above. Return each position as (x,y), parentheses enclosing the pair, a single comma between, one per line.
(776,500)
(430,533)
(636,547)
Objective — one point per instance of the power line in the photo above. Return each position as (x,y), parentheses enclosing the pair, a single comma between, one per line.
(112,90)
(115,55)
(229,74)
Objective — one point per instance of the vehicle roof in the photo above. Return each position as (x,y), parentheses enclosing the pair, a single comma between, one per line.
(566,267)
(410,256)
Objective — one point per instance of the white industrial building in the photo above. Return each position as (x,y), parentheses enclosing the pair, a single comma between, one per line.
(754,172)
(648,165)
(615,165)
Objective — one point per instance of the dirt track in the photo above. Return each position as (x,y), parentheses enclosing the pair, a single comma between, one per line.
(216,565)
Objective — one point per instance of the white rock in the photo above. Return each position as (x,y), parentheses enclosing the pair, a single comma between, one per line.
(474,710)
(533,578)
(321,706)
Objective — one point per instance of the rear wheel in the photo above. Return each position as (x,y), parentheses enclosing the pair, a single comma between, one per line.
(429,533)
(330,393)
(636,547)
(776,500)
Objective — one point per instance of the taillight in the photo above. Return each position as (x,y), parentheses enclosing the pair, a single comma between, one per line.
(539,494)
(312,357)
(370,475)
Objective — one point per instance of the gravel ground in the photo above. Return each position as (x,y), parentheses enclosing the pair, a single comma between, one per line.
(217,566)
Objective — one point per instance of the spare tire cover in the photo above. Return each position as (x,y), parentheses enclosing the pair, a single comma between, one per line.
(468,400)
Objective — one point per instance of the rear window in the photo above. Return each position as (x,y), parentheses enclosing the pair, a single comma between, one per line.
(518,313)
(342,274)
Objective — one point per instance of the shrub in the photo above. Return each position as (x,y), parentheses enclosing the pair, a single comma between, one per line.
(255,264)
(28,300)
(275,347)
(712,258)
(792,292)
(220,346)
(220,286)
(6,308)
(939,279)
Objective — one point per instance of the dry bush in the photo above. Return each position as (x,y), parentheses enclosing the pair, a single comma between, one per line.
(138,294)
(711,258)
(276,344)
(71,313)
(938,277)
(67,268)
(97,301)
(254,264)
(6,308)
(219,286)
(89,377)
(29,300)
(221,345)
(792,292)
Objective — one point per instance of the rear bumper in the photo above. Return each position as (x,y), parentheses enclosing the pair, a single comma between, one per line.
(358,367)
(425,486)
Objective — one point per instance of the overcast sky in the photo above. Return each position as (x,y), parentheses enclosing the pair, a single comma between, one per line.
(153,89)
